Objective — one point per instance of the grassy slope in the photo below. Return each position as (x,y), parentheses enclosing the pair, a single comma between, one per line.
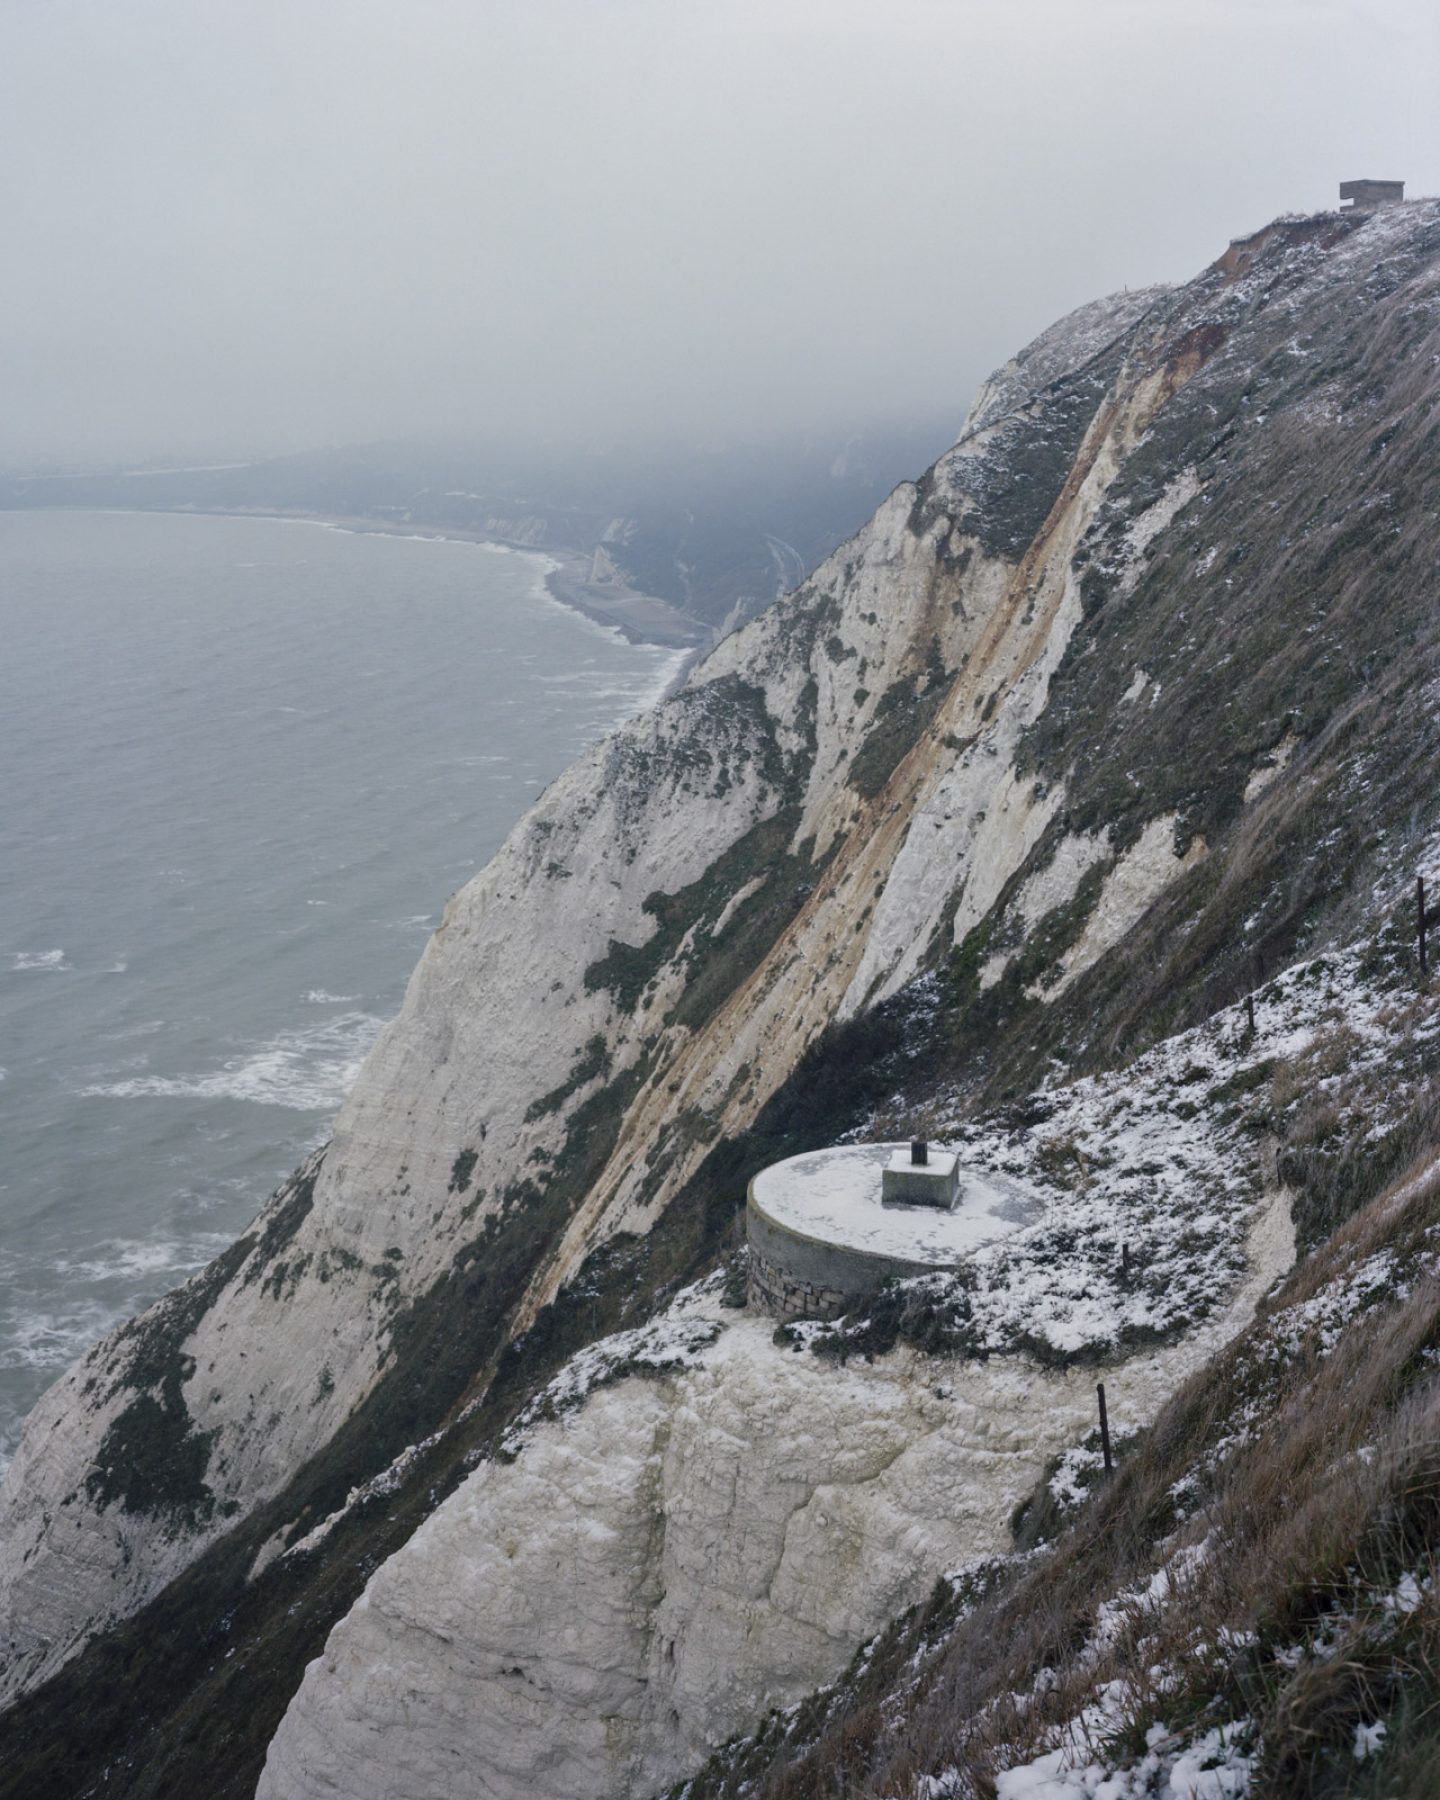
(1290,1492)
(1296,600)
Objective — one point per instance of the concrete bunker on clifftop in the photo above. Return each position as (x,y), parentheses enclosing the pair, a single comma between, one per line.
(826,1228)
(1360,196)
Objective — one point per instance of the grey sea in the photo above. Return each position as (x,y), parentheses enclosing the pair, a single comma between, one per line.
(243,763)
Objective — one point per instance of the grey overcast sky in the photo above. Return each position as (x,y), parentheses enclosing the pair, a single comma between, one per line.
(242,226)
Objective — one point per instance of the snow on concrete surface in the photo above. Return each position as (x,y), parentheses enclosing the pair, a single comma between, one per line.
(834,1196)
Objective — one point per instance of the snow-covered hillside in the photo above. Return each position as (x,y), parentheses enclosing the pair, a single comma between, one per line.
(742,1506)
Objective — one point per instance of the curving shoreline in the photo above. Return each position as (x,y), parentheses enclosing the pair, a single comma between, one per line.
(639,617)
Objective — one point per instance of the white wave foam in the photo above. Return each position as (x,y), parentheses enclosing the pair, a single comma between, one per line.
(42,1333)
(129,1259)
(318,997)
(51,1337)
(39,959)
(673,667)
(407,537)
(146,1028)
(308,1071)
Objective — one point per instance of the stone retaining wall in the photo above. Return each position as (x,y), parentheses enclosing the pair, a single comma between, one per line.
(795,1277)
(770,1290)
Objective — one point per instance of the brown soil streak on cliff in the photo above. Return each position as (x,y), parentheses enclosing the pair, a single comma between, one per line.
(799,982)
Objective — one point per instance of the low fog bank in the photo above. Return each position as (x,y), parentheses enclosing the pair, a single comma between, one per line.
(713,530)
(243,230)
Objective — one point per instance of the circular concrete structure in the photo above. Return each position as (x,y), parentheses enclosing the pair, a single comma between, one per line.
(821,1238)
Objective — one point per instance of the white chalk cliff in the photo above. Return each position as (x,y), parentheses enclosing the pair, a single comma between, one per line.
(651,1574)
(500,1011)
(841,793)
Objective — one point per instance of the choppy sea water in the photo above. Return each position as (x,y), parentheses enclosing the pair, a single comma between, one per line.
(243,763)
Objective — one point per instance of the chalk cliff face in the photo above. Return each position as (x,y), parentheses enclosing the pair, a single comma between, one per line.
(1062,691)
(651,1576)
(633,975)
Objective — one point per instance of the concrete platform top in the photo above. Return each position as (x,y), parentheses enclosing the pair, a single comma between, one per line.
(941,1162)
(833,1197)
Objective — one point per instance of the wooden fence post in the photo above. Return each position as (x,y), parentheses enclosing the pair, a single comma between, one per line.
(1105,1430)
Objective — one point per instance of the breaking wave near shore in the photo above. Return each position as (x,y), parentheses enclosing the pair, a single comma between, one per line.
(309,1070)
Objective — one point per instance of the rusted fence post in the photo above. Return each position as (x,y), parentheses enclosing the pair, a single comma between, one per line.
(1105,1430)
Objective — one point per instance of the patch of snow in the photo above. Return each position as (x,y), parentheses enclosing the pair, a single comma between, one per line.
(833,1196)
(1160,1156)
(1264,773)
(1369,1740)
(673,1341)
(735,902)
(385,1483)
(1054,885)
(1215,1765)
(1149,524)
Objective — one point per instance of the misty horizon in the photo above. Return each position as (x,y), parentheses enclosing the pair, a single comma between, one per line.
(260,231)
(820,432)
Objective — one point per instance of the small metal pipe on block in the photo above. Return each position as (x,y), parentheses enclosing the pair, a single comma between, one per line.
(921,1179)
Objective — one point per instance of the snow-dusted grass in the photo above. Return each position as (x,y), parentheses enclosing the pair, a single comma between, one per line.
(1210,1765)
(1152,1174)
(1269,1645)
(1250,1606)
